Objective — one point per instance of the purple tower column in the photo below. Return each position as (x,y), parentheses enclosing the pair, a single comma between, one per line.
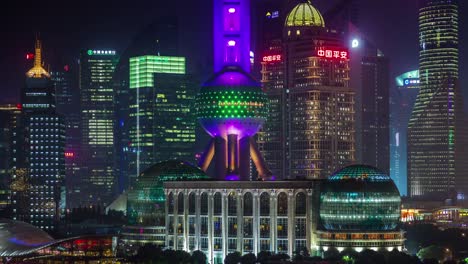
(231,34)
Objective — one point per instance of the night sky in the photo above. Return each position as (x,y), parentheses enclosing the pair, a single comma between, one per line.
(68,26)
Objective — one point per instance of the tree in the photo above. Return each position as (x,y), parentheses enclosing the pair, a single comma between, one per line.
(432,252)
(148,252)
(233,258)
(249,259)
(263,257)
(198,257)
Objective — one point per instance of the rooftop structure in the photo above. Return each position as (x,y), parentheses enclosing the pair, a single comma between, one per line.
(304,14)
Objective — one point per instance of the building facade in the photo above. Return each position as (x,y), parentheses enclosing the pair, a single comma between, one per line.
(306,77)
(161,118)
(67,98)
(357,208)
(375,111)
(9,114)
(436,131)
(402,98)
(97,126)
(39,160)
(220,217)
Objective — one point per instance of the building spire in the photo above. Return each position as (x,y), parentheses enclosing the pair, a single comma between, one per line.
(37,71)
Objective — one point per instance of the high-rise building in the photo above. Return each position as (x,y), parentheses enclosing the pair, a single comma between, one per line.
(402,98)
(436,133)
(8,119)
(39,160)
(98,183)
(161,113)
(310,131)
(375,111)
(68,105)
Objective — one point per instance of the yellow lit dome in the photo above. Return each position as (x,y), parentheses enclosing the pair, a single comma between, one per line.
(304,14)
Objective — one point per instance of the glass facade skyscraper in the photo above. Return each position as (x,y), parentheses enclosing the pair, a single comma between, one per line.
(161,119)
(310,127)
(38,171)
(436,158)
(402,98)
(97,125)
(375,111)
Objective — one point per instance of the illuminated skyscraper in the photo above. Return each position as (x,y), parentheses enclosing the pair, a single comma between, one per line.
(68,105)
(310,131)
(9,114)
(97,125)
(39,160)
(161,118)
(375,82)
(402,98)
(436,136)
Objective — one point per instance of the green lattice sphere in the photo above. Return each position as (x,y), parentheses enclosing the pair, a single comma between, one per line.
(360,198)
(145,204)
(232,102)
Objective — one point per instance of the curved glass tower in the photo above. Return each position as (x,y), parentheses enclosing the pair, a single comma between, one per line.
(433,131)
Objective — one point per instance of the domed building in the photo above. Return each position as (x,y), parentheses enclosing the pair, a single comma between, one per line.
(146,203)
(360,208)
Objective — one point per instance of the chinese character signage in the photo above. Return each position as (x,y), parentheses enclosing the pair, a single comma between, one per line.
(272,58)
(333,54)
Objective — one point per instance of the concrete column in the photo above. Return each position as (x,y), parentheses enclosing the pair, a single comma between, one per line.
(176,218)
(220,158)
(185,225)
(309,225)
(244,159)
(291,220)
(166,209)
(210,227)
(273,221)
(240,221)
(224,221)
(256,222)
(197,220)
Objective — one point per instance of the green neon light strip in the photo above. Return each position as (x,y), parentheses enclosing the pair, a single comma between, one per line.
(142,69)
(232,104)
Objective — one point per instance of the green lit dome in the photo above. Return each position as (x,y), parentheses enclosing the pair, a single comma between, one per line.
(360,198)
(146,198)
(304,14)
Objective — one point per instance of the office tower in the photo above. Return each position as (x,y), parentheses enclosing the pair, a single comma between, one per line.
(68,105)
(310,131)
(159,37)
(161,113)
(402,98)
(8,122)
(375,111)
(436,133)
(39,165)
(97,126)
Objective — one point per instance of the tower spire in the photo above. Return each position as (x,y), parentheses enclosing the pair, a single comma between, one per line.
(37,71)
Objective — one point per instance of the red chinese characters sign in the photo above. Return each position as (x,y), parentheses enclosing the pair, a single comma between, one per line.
(272,58)
(333,54)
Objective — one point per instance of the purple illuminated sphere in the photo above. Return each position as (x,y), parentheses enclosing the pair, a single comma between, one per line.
(232,102)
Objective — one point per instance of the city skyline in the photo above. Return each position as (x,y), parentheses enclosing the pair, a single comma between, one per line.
(399,43)
(322,141)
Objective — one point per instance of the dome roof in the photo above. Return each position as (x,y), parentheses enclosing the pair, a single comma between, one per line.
(173,170)
(360,172)
(304,14)
(19,238)
(145,204)
(360,198)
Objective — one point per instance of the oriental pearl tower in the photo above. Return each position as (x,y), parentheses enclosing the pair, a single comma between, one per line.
(231,105)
